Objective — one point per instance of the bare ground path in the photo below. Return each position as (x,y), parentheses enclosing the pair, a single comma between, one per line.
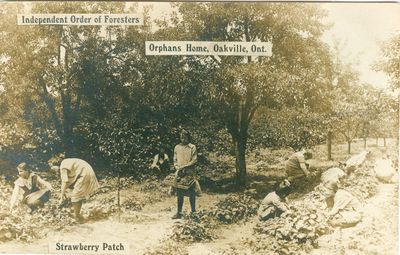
(139,236)
(142,230)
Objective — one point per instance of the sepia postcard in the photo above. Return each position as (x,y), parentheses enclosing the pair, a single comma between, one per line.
(199,127)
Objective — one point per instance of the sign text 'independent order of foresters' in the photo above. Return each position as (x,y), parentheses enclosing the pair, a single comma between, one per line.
(165,48)
(80,19)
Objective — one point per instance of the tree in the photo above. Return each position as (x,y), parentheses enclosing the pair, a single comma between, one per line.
(390,64)
(61,66)
(294,76)
(390,60)
(288,127)
(375,113)
(348,110)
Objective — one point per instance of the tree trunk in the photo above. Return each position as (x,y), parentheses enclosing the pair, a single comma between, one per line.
(348,147)
(239,137)
(66,103)
(365,132)
(384,141)
(68,125)
(240,153)
(68,139)
(49,101)
(329,144)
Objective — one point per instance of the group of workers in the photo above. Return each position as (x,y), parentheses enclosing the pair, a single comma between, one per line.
(78,182)
(344,210)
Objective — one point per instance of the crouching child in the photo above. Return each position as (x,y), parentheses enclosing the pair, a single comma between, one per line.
(345,209)
(34,190)
(273,205)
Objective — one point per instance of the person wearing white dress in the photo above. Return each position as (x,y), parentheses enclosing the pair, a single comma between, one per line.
(79,176)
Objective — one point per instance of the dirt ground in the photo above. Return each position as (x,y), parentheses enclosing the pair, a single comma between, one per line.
(148,228)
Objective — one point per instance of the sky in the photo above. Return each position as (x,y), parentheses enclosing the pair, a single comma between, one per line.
(358,27)
(361,28)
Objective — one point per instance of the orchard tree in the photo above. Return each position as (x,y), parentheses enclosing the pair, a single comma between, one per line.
(390,60)
(349,112)
(390,64)
(295,75)
(52,72)
(383,121)
(338,108)
(375,113)
(288,127)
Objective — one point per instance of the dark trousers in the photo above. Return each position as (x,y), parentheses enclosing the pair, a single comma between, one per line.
(191,193)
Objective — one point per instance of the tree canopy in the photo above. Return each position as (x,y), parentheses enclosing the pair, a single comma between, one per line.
(92,90)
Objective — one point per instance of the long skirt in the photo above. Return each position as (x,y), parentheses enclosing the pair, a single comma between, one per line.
(85,185)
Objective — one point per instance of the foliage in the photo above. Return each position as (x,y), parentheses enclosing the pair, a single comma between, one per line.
(265,244)
(305,221)
(237,86)
(66,71)
(132,203)
(234,207)
(295,231)
(168,247)
(13,135)
(127,147)
(195,228)
(95,94)
(295,128)
(379,113)
(362,182)
(17,228)
(390,60)
(131,147)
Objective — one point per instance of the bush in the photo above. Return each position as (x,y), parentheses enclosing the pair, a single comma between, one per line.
(234,208)
(296,230)
(195,228)
(362,182)
(131,147)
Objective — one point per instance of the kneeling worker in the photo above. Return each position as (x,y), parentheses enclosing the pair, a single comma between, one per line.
(35,190)
(345,208)
(297,169)
(273,205)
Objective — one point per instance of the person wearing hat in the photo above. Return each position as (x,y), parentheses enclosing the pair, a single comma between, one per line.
(273,205)
(345,209)
(79,176)
(296,168)
(185,159)
(35,191)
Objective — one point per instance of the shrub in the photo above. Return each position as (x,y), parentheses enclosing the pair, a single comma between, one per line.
(234,208)
(195,228)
